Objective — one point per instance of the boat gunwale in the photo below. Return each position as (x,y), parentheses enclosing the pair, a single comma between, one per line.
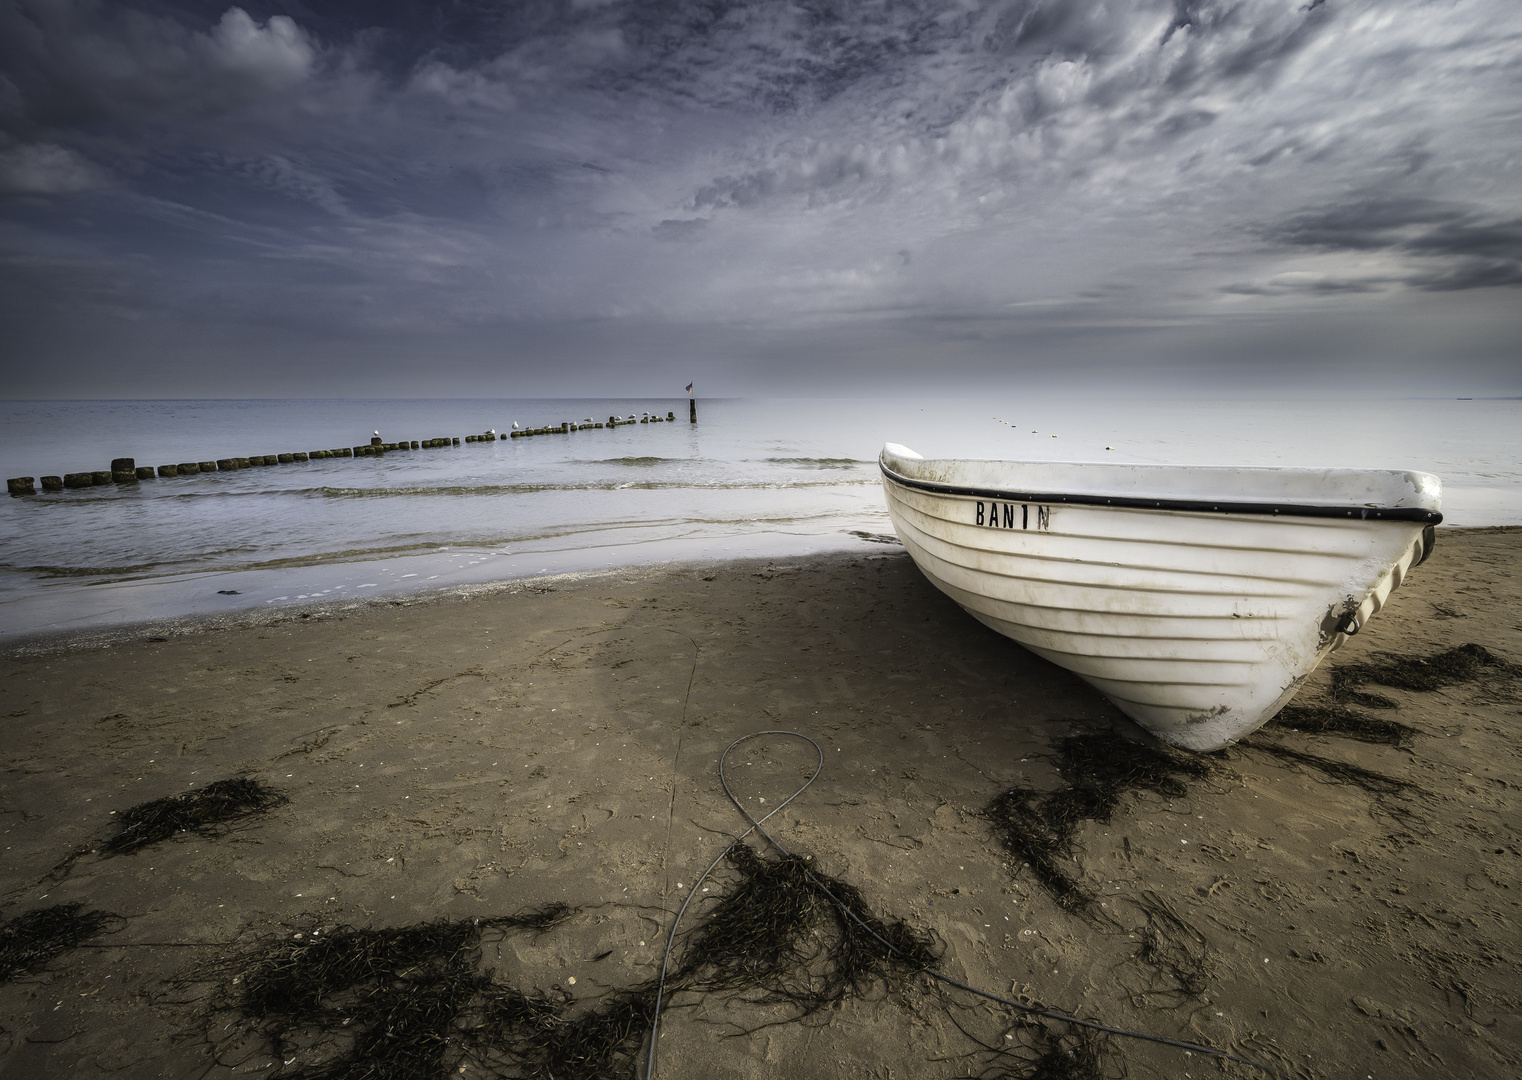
(1127,502)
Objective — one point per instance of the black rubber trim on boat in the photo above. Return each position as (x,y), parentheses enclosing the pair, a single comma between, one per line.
(1365,513)
(1429,540)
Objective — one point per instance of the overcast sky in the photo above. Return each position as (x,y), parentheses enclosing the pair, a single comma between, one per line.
(391,198)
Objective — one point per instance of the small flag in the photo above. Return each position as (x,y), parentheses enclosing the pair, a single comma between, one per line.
(689,388)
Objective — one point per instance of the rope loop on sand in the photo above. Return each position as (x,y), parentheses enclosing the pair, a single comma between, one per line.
(660,986)
(755,827)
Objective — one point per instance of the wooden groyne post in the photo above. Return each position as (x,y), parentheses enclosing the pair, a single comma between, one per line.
(126,470)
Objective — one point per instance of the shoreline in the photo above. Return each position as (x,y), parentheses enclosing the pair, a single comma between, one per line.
(104,636)
(572,564)
(1315,902)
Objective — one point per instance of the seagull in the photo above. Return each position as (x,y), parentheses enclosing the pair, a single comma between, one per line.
(376,434)
(515,425)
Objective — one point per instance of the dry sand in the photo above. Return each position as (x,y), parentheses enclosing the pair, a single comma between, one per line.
(558,741)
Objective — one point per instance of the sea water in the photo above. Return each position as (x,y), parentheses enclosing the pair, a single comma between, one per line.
(776,479)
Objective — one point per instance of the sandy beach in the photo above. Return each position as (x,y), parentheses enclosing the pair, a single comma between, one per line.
(1324,905)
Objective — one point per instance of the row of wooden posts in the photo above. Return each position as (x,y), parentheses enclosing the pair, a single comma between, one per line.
(566,427)
(127,471)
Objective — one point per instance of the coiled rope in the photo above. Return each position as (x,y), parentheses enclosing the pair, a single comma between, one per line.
(755,827)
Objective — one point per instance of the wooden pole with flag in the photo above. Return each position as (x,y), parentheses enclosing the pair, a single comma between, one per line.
(692,406)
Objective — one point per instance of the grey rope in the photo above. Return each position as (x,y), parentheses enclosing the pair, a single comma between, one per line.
(660,986)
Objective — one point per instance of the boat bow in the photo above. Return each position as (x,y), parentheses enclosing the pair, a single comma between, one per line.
(1196,598)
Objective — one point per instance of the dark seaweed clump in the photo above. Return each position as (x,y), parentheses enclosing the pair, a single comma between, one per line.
(205,811)
(1346,722)
(1038,1052)
(1076,1056)
(414,1001)
(33,939)
(1170,944)
(1039,828)
(1339,772)
(377,1003)
(790,934)
(1465,663)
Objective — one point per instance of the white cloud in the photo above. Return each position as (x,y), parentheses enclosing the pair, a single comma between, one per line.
(46,169)
(278,53)
(459,88)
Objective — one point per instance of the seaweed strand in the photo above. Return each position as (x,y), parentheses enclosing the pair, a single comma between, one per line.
(202,811)
(31,940)
(1039,829)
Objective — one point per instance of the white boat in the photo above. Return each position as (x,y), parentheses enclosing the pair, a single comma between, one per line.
(1197,599)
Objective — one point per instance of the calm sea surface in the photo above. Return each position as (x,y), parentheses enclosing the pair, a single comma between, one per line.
(770,478)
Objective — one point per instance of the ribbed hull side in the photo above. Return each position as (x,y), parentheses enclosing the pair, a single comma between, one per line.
(1198,625)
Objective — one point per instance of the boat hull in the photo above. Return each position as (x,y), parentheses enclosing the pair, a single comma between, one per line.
(1199,624)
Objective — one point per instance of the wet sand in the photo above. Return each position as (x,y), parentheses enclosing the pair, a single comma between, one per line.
(558,740)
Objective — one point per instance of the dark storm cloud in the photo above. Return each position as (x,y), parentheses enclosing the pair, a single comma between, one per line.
(489,182)
(1307,283)
(77,65)
(1363,225)
(1445,247)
